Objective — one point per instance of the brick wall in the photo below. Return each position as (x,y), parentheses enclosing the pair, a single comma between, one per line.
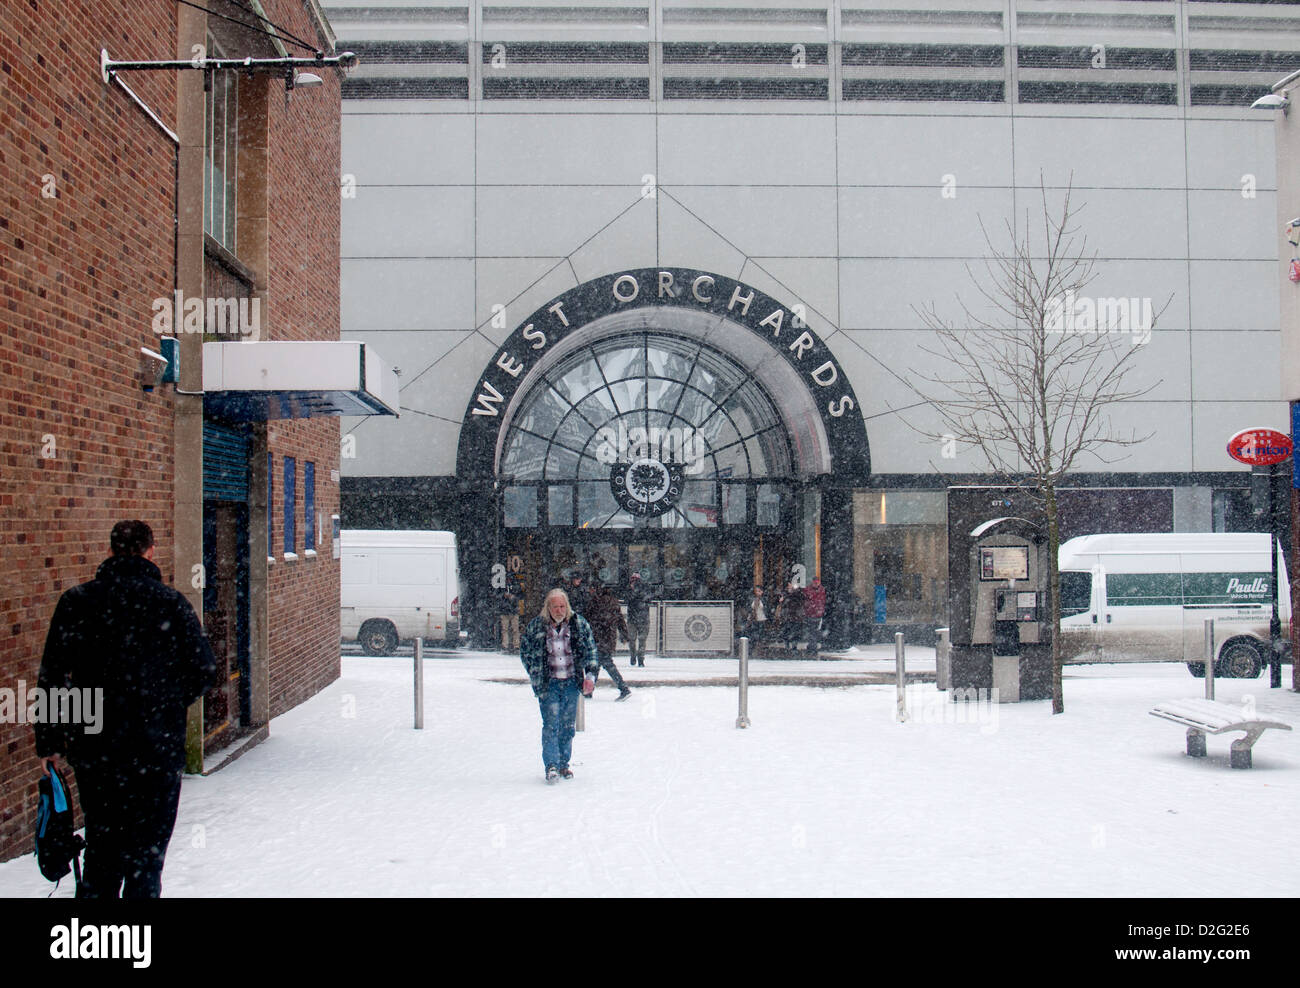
(303,594)
(303,286)
(81,446)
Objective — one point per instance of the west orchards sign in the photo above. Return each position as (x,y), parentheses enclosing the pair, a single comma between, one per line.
(771,323)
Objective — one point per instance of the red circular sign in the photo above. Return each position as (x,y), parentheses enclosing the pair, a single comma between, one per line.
(1260,447)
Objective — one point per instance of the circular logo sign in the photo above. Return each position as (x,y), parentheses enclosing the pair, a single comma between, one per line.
(646,486)
(698,628)
(1260,447)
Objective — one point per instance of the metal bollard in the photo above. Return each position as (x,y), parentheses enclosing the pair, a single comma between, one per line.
(900,676)
(1209,658)
(419,684)
(943,660)
(743,719)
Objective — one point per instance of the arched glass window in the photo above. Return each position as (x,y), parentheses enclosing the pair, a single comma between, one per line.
(643,395)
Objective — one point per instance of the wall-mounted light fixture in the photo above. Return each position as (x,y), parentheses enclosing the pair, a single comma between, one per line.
(1278,98)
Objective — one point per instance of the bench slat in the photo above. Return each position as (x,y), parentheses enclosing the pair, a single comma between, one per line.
(1212,716)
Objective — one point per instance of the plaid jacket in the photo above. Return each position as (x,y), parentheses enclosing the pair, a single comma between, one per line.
(533,652)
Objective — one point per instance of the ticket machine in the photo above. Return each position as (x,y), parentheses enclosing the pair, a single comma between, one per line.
(1003,640)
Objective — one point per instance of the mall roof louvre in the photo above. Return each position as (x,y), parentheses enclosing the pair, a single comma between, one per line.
(566,69)
(931,50)
(716,51)
(1252,43)
(405,52)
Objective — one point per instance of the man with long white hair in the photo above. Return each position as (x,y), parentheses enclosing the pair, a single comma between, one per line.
(559,652)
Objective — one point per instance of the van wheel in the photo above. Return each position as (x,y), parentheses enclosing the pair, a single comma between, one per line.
(1197,669)
(378,638)
(1239,660)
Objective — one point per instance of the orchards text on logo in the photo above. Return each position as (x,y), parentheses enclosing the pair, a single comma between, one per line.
(646,486)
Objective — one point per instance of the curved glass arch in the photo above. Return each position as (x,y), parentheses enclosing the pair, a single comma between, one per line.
(646,394)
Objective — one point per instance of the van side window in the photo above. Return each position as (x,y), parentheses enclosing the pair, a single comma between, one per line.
(1076,593)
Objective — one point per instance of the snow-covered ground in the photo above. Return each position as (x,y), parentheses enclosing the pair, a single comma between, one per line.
(825,794)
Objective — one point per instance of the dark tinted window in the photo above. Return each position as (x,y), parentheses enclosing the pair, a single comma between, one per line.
(1076,593)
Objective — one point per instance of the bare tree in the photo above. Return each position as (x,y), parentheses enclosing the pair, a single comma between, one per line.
(1030,384)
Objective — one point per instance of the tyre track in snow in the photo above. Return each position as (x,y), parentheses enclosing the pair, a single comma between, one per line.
(664,855)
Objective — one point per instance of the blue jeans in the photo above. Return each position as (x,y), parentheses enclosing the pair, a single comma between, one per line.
(559,715)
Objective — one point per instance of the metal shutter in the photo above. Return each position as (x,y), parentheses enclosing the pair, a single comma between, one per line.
(225,462)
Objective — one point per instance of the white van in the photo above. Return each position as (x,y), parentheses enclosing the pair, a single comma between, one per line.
(398,586)
(1145,598)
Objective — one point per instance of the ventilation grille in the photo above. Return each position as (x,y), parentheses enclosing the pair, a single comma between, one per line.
(732,89)
(410,52)
(1099,57)
(710,53)
(945,90)
(566,70)
(1157,94)
(982,56)
(1244,61)
(417,52)
(565,88)
(1228,95)
(503,54)
(400,87)
(745,70)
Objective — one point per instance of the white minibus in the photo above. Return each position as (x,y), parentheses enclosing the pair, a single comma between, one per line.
(1146,597)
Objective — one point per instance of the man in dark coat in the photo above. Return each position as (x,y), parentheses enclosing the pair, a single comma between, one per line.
(638,619)
(606,623)
(578,593)
(139,640)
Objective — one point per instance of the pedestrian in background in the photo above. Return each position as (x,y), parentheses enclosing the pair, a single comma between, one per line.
(814,609)
(559,654)
(139,640)
(578,593)
(792,618)
(756,614)
(508,611)
(638,619)
(606,623)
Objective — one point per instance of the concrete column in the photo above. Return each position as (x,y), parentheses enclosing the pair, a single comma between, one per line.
(187,503)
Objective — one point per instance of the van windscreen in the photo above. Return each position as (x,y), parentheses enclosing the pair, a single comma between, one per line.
(1076,593)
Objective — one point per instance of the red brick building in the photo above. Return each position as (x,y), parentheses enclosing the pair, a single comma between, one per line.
(117,194)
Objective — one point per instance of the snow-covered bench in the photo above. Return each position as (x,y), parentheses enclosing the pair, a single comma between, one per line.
(1202,717)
